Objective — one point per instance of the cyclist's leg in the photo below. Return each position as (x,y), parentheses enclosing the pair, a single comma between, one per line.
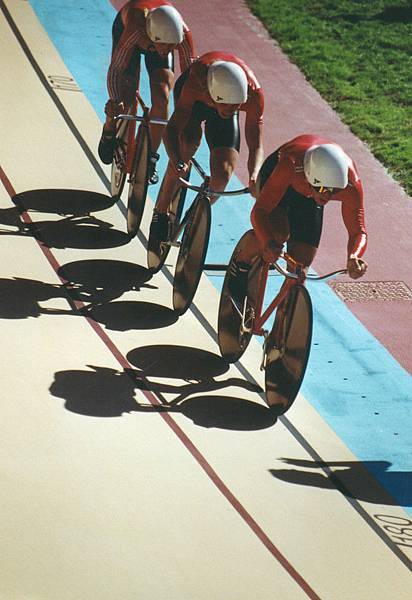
(251,250)
(303,253)
(223,138)
(117,30)
(189,142)
(278,218)
(288,345)
(222,164)
(240,266)
(160,70)
(129,84)
(306,219)
(130,76)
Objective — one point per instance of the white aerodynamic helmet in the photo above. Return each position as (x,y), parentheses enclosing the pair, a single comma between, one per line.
(164,25)
(227,82)
(326,165)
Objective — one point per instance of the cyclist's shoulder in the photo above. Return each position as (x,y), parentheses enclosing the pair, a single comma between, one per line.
(137,10)
(144,5)
(134,14)
(290,154)
(301,143)
(197,77)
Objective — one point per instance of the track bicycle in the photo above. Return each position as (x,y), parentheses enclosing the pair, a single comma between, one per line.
(286,348)
(194,241)
(132,158)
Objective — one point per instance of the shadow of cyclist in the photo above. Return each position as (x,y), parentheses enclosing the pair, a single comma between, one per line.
(355,479)
(103,392)
(79,229)
(87,232)
(125,315)
(99,281)
(90,282)
(100,392)
(20,298)
(74,203)
(11,218)
(197,368)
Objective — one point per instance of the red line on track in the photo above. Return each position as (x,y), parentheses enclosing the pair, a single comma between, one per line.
(186,441)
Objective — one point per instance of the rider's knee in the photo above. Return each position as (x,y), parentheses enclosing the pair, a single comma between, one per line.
(223,163)
(302,252)
(190,141)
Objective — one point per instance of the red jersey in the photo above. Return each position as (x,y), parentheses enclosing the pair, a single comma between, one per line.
(195,90)
(289,173)
(134,37)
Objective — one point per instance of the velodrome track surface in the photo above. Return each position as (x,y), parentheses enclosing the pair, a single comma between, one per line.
(135,463)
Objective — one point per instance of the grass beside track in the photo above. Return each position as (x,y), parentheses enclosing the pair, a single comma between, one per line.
(357,54)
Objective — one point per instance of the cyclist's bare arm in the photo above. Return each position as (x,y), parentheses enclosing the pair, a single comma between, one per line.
(254,135)
(353,218)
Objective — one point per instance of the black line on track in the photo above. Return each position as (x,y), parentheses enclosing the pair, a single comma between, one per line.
(333,477)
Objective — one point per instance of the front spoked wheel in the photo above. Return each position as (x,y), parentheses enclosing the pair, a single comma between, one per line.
(192,254)
(234,332)
(118,174)
(157,251)
(287,350)
(139,181)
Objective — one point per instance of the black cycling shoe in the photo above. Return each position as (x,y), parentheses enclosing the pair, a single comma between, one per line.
(106,147)
(159,227)
(153,174)
(238,279)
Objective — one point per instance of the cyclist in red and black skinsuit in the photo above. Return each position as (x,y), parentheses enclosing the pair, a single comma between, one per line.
(152,28)
(213,90)
(294,184)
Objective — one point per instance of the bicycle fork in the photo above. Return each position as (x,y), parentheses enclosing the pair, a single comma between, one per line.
(247,316)
(173,234)
(279,335)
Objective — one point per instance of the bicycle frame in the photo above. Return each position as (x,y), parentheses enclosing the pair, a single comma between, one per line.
(202,189)
(206,179)
(260,319)
(291,279)
(133,117)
